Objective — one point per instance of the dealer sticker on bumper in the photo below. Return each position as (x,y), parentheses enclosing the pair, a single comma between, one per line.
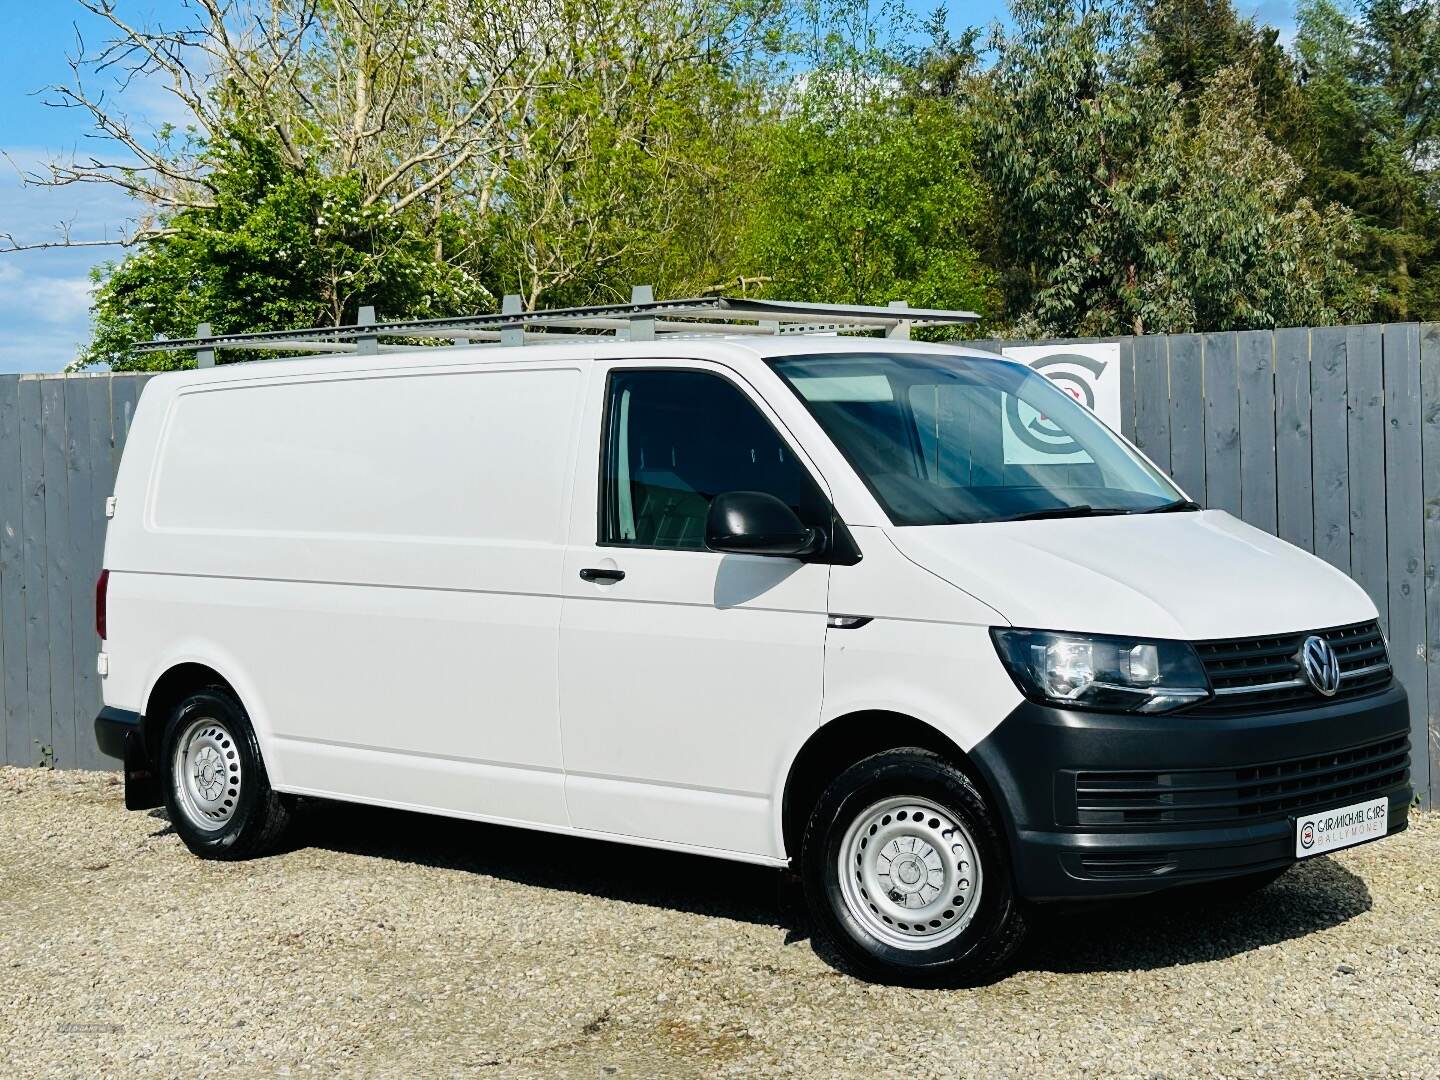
(1341,827)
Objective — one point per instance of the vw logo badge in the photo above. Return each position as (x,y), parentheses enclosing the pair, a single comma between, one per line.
(1322,666)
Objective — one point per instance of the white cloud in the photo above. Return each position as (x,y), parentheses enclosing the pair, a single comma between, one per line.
(45,295)
(44,309)
(37,354)
(56,300)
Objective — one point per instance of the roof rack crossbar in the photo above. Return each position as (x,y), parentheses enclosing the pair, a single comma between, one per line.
(642,318)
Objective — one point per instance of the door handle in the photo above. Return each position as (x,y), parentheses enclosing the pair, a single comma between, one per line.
(591,573)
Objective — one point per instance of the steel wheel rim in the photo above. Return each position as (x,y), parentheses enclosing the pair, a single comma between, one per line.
(909,873)
(206,774)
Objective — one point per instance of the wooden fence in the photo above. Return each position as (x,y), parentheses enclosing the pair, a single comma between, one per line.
(1329,437)
(60,441)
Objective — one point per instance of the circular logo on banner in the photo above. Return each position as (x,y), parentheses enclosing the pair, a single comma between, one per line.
(1035,429)
(1307,835)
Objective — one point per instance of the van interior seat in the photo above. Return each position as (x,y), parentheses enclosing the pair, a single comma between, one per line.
(668,511)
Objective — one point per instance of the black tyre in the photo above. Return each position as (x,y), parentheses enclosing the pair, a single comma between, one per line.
(907,875)
(216,790)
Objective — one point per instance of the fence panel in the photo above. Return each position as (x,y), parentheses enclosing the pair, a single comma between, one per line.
(14,705)
(1295,499)
(58,583)
(1331,462)
(87,496)
(34,738)
(58,453)
(1187,423)
(1404,529)
(1152,399)
(1222,423)
(1366,394)
(1430,480)
(1257,429)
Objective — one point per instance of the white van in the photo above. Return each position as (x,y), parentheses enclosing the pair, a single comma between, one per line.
(790,600)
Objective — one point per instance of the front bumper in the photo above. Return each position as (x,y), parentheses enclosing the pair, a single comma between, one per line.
(1104,805)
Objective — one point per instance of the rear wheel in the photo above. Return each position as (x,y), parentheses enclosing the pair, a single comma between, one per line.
(217,792)
(906,873)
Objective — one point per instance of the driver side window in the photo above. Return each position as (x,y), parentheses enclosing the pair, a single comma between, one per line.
(676,439)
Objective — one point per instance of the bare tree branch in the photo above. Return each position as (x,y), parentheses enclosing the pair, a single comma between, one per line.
(538,125)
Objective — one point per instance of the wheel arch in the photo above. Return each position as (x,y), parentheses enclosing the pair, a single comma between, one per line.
(172,686)
(843,741)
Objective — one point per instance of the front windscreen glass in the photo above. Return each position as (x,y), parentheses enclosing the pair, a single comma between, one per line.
(945,440)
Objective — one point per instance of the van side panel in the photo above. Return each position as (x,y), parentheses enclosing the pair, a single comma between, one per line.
(380,555)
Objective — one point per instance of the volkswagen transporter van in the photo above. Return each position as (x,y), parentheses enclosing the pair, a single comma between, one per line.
(800,601)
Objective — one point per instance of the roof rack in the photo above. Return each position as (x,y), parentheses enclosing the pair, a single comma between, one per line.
(643,319)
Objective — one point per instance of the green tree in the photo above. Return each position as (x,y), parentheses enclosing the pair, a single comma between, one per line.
(630,157)
(1118,215)
(1228,241)
(867,188)
(274,248)
(878,202)
(1372,138)
(1188,42)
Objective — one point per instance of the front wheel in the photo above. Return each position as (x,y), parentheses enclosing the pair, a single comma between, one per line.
(906,873)
(217,792)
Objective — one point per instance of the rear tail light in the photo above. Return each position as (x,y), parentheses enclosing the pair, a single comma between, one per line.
(102,586)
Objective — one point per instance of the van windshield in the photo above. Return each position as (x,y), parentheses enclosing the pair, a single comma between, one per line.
(946,440)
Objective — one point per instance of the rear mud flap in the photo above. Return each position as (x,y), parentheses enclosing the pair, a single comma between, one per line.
(142,782)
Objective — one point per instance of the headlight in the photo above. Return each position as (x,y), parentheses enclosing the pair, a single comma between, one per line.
(1091,671)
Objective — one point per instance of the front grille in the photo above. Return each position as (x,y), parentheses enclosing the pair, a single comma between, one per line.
(1263,675)
(1243,794)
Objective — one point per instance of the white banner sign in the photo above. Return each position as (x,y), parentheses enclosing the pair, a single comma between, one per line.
(1089,373)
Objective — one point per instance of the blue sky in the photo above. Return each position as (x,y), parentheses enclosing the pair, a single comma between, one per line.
(45,295)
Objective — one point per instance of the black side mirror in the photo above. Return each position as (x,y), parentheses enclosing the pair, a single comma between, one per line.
(753,523)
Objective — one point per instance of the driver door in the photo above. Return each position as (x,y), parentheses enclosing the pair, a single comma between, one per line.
(686,676)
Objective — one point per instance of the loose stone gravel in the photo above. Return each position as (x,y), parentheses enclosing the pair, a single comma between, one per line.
(390,944)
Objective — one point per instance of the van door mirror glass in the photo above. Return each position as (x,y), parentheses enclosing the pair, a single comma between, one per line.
(754,523)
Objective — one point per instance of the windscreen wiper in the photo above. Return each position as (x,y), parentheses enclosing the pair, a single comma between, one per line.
(1178,506)
(1082,510)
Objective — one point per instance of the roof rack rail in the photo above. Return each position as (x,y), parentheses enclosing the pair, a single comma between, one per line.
(643,319)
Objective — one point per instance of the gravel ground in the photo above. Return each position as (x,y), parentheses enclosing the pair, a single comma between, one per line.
(391,944)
